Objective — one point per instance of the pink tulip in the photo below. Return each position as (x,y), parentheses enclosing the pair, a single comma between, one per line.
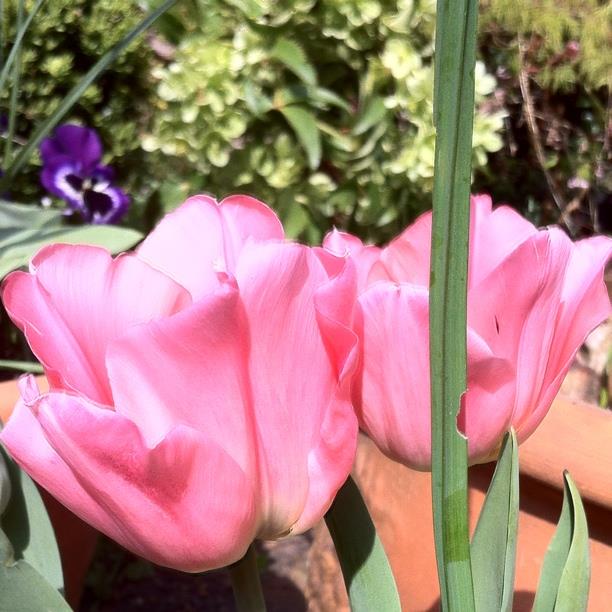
(533,297)
(199,388)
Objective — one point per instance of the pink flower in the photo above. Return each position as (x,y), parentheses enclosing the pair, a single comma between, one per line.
(533,297)
(199,387)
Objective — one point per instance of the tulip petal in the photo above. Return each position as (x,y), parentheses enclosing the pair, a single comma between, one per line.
(201,236)
(187,245)
(332,456)
(515,307)
(394,401)
(292,377)
(184,503)
(486,409)
(364,256)
(190,368)
(246,219)
(584,305)
(76,301)
(25,440)
(406,258)
(494,234)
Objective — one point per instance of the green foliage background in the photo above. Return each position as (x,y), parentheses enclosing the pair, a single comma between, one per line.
(323,109)
(320,108)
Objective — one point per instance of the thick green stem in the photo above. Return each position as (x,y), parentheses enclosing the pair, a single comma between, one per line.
(244,575)
(453,114)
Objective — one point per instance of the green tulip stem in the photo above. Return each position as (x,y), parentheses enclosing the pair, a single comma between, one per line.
(244,575)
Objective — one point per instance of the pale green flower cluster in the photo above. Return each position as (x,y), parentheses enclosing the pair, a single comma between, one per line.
(322,108)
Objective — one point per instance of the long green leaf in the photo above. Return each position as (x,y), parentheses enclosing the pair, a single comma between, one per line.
(566,572)
(6,67)
(16,74)
(20,246)
(21,366)
(23,589)
(365,568)
(27,216)
(494,542)
(77,91)
(294,58)
(28,528)
(305,126)
(454,103)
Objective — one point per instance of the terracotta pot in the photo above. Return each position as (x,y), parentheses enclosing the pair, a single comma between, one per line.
(574,436)
(76,540)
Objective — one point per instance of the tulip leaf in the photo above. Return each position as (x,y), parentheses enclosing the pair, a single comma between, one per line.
(73,96)
(453,118)
(18,247)
(294,58)
(27,526)
(566,572)
(23,589)
(26,216)
(494,542)
(305,127)
(365,568)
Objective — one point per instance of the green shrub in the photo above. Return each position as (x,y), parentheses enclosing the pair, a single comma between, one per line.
(323,108)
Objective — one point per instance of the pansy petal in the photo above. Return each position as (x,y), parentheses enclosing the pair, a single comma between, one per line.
(80,143)
(184,503)
(190,368)
(76,301)
(62,179)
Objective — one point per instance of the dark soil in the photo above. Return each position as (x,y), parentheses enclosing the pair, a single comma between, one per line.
(120,582)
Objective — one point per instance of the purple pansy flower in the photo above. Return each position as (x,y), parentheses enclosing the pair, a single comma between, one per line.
(72,171)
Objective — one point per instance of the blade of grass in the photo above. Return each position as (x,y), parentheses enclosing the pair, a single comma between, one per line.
(10,134)
(77,91)
(454,110)
(21,366)
(17,43)
(1,32)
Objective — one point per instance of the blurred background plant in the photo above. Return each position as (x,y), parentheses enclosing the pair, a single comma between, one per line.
(554,69)
(322,108)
